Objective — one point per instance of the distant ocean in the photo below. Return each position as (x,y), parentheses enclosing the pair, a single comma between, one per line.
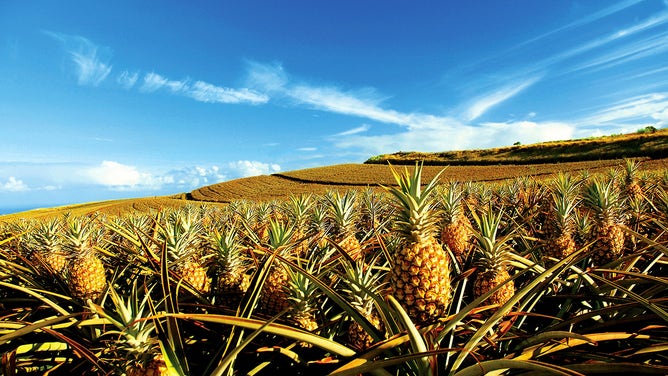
(17,209)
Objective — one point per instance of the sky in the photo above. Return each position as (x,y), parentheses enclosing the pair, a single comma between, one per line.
(116,99)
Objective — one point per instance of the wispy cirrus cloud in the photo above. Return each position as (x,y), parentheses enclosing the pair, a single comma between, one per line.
(356,130)
(487,101)
(605,12)
(208,93)
(154,82)
(127,79)
(642,110)
(90,60)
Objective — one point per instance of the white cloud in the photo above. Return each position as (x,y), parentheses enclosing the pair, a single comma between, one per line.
(154,82)
(242,169)
(648,109)
(127,80)
(118,176)
(353,131)
(484,103)
(457,137)
(91,68)
(307,149)
(205,92)
(13,185)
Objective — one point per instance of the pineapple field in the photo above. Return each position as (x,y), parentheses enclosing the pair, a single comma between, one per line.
(563,272)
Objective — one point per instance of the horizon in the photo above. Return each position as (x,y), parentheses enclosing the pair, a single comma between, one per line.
(107,101)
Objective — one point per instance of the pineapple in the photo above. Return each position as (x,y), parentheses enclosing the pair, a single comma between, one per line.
(606,207)
(49,246)
(420,273)
(343,215)
(140,349)
(491,257)
(456,227)
(181,235)
(231,278)
(274,297)
(362,281)
(631,186)
(302,295)
(375,213)
(560,225)
(86,274)
(298,209)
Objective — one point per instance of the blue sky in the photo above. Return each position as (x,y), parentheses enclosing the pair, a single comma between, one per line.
(102,100)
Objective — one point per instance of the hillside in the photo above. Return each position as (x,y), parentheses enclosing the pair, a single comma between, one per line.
(647,143)
(595,155)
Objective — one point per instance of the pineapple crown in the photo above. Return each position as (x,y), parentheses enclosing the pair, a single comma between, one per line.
(79,236)
(362,281)
(491,252)
(564,208)
(415,220)
(128,318)
(280,235)
(631,168)
(227,248)
(47,235)
(181,236)
(299,207)
(604,201)
(342,210)
(565,185)
(451,202)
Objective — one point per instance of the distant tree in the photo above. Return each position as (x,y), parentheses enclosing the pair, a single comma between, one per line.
(647,129)
(517,143)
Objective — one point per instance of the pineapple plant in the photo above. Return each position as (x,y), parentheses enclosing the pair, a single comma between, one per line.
(274,297)
(632,188)
(606,207)
(139,348)
(48,244)
(302,295)
(85,272)
(298,211)
(559,239)
(343,215)
(362,281)
(230,266)
(455,227)
(492,257)
(180,234)
(420,272)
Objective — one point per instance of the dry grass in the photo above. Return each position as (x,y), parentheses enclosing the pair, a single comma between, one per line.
(353,176)
(632,145)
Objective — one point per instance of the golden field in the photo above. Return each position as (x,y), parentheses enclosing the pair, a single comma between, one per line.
(557,268)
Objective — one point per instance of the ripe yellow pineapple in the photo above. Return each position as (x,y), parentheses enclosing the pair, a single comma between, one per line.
(298,210)
(420,273)
(181,235)
(456,228)
(49,246)
(139,348)
(362,281)
(343,215)
(231,281)
(86,274)
(274,294)
(560,219)
(632,189)
(491,256)
(606,206)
